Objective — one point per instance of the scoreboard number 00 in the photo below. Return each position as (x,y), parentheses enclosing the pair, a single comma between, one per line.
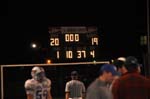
(72,37)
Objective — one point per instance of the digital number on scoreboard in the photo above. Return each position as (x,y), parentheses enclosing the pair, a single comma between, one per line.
(73,42)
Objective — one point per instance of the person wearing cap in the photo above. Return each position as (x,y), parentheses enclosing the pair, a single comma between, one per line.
(119,63)
(131,85)
(75,89)
(99,88)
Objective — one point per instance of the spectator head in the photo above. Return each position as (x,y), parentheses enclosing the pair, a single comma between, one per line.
(74,75)
(132,64)
(120,64)
(107,72)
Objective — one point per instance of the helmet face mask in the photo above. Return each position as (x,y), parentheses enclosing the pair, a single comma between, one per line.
(40,76)
(38,73)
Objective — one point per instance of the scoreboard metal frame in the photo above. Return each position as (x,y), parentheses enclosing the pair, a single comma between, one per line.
(43,65)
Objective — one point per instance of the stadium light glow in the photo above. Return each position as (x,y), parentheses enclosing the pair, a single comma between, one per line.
(48,61)
(34,45)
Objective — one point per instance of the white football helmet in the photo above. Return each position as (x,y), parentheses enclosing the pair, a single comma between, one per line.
(38,73)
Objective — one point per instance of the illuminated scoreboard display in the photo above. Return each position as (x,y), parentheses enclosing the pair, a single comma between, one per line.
(73,43)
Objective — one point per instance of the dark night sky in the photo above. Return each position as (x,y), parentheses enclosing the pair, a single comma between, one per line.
(121,24)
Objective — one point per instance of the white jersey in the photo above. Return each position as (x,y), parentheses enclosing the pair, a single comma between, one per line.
(39,90)
(75,88)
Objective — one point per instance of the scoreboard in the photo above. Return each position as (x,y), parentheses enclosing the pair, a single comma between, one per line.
(79,43)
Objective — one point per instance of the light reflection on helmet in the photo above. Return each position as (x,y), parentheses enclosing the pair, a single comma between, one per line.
(38,73)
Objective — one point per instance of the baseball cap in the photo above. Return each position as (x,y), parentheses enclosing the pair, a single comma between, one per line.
(131,60)
(74,73)
(109,68)
(119,62)
(121,59)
